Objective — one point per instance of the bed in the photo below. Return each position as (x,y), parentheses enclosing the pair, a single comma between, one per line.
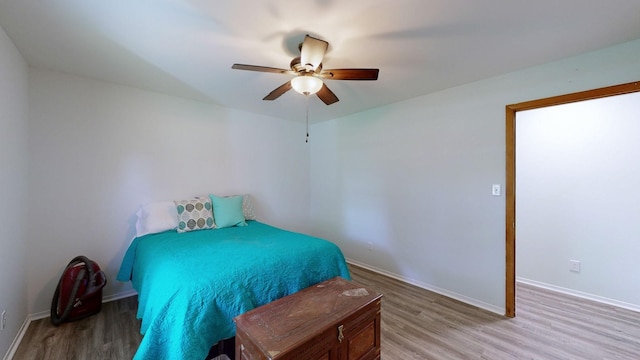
(191,285)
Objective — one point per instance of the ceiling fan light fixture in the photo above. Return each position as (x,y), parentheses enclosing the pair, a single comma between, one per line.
(306,85)
(309,73)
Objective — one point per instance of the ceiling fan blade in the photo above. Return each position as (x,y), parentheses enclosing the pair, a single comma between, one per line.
(350,74)
(278,91)
(262,69)
(327,96)
(312,51)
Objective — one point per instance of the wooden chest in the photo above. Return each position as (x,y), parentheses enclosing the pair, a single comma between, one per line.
(334,320)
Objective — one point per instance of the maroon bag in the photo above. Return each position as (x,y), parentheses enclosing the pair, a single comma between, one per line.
(79,291)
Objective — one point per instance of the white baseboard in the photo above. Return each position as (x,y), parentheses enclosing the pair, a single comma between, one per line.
(583,295)
(108,298)
(435,289)
(118,296)
(14,345)
(43,314)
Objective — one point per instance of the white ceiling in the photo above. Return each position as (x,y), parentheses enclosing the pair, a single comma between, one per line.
(186,47)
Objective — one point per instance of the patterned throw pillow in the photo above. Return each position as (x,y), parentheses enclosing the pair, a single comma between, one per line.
(194,214)
(247,207)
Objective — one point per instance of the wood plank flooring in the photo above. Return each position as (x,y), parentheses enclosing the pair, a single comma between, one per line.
(416,324)
(113,333)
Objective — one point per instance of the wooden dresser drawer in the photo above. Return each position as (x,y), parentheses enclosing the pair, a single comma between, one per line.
(334,320)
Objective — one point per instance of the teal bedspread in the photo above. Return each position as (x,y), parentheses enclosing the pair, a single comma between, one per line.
(191,285)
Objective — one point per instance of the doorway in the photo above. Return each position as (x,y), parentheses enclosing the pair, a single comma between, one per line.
(510,181)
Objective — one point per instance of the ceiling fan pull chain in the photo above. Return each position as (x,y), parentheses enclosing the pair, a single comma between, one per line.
(307,139)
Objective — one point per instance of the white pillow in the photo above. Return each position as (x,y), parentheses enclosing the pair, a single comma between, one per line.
(156,217)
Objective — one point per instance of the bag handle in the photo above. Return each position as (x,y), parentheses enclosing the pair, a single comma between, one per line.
(55,319)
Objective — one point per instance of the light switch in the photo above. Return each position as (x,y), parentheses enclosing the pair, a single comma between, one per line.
(496,190)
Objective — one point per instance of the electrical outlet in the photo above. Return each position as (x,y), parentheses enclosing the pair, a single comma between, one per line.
(496,190)
(3,320)
(369,246)
(574,266)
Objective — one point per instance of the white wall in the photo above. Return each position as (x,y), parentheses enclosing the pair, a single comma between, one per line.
(578,197)
(100,150)
(13,188)
(414,178)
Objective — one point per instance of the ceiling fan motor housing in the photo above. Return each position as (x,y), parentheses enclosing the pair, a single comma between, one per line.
(298,67)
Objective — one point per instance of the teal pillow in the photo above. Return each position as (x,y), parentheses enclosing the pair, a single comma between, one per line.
(227,211)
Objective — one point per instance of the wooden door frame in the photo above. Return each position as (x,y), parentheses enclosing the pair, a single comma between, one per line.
(510,185)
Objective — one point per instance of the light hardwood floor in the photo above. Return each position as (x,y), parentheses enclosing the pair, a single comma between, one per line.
(113,333)
(416,324)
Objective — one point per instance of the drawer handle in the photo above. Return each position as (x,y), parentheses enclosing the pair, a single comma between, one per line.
(340,334)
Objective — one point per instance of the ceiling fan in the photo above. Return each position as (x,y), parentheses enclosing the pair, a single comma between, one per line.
(308,72)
